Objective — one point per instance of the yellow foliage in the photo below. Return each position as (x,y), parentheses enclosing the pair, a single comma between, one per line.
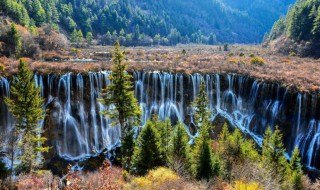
(2,67)
(232,60)
(257,61)
(240,185)
(155,179)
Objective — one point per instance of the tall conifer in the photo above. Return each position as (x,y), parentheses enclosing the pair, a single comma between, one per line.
(25,104)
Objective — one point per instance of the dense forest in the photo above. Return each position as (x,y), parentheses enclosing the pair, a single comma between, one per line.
(301,26)
(147,22)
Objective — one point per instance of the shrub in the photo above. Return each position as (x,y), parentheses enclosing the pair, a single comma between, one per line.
(251,55)
(241,54)
(225,47)
(292,54)
(231,54)
(231,60)
(2,67)
(161,178)
(257,61)
(240,185)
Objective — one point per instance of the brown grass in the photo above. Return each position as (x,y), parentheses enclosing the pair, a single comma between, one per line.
(298,73)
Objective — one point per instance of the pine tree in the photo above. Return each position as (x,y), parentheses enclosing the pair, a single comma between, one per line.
(127,147)
(25,104)
(74,36)
(126,112)
(147,153)
(204,164)
(89,37)
(201,112)
(179,147)
(15,39)
(120,94)
(316,27)
(295,170)
(165,129)
(273,153)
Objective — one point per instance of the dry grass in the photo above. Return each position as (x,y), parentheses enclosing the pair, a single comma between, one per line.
(298,73)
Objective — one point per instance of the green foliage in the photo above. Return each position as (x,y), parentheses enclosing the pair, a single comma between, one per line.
(292,54)
(295,170)
(127,147)
(235,150)
(165,129)
(273,153)
(176,21)
(204,164)
(225,47)
(257,61)
(25,104)
(148,151)
(302,23)
(15,10)
(120,94)
(14,39)
(200,105)
(179,148)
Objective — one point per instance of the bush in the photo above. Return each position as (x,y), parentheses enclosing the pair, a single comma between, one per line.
(231,54)
(251,55)
(292,54)
(231,60)
(257,61)
(240,185)
(241,54)
(2,67)
(161,178)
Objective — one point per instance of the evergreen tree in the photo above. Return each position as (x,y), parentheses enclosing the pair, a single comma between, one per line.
(295,170)
(74,36)
(127,147)
(79,36)
(179,147)
(89,37)
(14,39)
(273,153)
(25,104)
(201,112)
(204,165)
(165,129)
(147,153)
(316,27)
(120,94)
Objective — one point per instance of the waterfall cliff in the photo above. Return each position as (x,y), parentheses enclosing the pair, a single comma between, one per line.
(75,127)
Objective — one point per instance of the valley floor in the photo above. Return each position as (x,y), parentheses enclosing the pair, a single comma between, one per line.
(301,74)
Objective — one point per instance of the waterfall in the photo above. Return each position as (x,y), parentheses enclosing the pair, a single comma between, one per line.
(78,130)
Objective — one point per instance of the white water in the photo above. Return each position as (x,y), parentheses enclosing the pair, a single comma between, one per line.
(249,105)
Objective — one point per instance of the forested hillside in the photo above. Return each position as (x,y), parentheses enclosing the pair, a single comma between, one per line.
(146,22)
(299,31)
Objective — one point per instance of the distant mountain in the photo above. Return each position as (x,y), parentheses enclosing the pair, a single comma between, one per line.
(299,31)
(177,21)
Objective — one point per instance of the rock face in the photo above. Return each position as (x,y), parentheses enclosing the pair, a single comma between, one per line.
(75,128)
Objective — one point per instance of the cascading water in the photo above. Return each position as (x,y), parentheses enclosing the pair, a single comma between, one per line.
(77,128)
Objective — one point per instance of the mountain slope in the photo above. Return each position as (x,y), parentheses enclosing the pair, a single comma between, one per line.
(180,21)
(299,31)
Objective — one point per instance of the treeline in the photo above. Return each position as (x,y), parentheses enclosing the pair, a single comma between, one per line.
(180,21)
(302,25)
